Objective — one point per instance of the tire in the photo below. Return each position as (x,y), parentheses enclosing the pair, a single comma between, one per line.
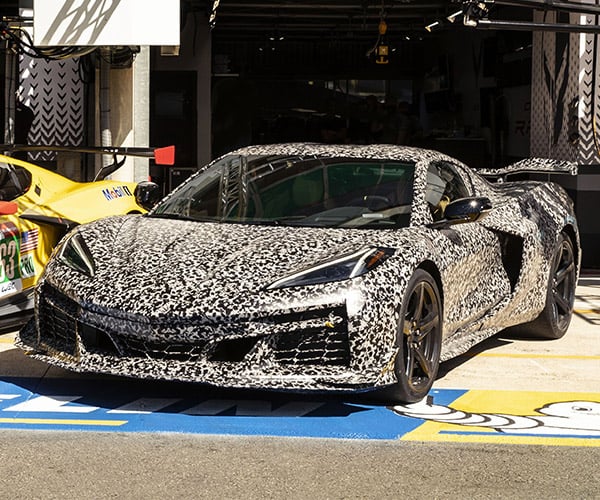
(419,339)
(553,322)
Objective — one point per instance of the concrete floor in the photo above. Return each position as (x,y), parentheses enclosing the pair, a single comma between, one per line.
(568,364)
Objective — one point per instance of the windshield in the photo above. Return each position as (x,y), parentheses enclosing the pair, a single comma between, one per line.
(294,190)
(14,181)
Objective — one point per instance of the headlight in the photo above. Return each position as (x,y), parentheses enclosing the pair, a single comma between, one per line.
(75,253)
(339,269)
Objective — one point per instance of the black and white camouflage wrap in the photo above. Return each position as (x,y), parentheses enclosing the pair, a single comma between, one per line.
(174,292)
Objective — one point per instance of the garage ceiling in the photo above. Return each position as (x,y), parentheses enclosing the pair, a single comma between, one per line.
(312,19)
(342,20)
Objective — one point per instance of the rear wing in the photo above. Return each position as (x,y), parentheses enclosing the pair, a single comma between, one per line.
(531,165)
(162,156)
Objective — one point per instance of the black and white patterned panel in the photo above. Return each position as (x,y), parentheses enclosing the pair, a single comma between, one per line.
(538,145)
(53,90)
(589,89)
(569,138)
(555,90)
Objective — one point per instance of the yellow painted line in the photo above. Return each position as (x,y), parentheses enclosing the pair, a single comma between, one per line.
(432,435)
(532,356)
(6,341)
(58,421)
(586,311)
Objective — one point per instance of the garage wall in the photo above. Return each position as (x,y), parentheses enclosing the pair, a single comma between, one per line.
(565,113)
(195,55)
(558,101)
(589,95)
(53,90)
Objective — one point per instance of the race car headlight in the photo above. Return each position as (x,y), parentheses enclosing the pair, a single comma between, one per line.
(75,253)
(339,269)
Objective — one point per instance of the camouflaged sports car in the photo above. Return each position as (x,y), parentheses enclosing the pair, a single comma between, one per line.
(312,267)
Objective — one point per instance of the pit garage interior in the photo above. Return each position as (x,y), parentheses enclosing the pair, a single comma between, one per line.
(518,81)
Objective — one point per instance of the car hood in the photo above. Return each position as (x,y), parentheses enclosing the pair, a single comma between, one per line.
(153,266)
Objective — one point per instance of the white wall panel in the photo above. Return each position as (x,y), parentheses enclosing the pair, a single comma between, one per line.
(105,22)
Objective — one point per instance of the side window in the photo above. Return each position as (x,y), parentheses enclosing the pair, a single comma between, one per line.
(14,181)
(444,185)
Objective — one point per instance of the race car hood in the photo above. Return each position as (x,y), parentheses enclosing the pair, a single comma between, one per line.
(147,265)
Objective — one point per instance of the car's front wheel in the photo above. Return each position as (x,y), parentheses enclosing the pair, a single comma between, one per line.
(419,338)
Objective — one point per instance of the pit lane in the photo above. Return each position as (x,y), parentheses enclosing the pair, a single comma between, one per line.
(505,390)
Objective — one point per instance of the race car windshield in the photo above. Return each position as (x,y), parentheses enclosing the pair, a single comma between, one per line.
(14,181)
(296,190)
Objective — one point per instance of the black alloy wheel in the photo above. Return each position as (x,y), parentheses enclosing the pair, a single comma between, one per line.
(419,338)
(553,322)
(563,285)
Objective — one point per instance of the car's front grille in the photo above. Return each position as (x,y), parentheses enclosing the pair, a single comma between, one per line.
(324,345)
(225,350)
(140,348)
(58,317)
(313,348)
(315,337)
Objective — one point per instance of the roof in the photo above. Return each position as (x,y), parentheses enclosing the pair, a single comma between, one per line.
(370,151)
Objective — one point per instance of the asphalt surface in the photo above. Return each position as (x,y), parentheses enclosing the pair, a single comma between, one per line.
(74,465)
(71,464)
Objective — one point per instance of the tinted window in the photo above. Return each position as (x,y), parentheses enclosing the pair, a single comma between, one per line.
(313,191)
(14,181)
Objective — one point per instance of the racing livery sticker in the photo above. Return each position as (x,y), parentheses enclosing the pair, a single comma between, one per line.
(116,192)
(10,277)
(29,242)
(27,266)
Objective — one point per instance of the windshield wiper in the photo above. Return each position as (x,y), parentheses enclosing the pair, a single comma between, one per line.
(277,221)
(290,218)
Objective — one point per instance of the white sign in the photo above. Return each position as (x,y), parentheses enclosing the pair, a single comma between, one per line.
(105,22)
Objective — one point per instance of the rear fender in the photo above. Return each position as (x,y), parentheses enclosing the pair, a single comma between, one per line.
(531,165)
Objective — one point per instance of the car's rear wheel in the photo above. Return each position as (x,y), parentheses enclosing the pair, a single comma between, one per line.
(419,339)
(554,320)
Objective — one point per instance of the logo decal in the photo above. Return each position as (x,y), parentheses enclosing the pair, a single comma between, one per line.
(116,192)
(27,266)
(568,418)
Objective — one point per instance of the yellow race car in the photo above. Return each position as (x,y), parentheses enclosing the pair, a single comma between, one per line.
(38,207)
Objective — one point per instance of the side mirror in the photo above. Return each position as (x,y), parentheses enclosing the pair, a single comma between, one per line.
(467,209)
(147,194)
(8,208)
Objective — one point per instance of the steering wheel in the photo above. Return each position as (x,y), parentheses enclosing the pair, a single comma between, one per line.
(438,210)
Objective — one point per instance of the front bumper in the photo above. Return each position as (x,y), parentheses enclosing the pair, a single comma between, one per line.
(299,350)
